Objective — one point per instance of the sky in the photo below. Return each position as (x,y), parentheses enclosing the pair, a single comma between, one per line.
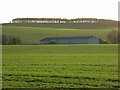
(101,9)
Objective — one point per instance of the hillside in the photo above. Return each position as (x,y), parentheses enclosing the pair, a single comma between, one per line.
(70,25)
(32,30)
(32,34)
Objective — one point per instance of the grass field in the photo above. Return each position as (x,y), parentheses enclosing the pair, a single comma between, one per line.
(33,35)
(68,66)
(67,26)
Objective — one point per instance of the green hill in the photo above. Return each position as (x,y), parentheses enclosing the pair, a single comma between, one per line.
(70,25)
(32,34)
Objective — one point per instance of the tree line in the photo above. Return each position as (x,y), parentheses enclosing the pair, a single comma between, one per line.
(63,20)
(11,40)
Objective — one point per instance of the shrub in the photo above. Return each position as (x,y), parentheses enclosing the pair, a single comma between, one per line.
(113,37)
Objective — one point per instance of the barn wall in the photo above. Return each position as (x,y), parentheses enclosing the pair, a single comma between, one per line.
(79,41)
(73,41)
(93,40)
(44,42)
(64,41)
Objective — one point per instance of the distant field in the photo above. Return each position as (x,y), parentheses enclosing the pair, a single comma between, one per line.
(32,34)
(73,26)
(67,66)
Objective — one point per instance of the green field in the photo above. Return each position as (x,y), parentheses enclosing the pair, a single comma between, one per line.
(68,66)
(59,66)
(67,26)
(33,35)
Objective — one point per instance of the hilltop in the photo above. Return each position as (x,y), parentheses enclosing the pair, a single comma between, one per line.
(78,23)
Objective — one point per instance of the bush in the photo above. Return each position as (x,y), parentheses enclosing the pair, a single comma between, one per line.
(10,40)
(113,37)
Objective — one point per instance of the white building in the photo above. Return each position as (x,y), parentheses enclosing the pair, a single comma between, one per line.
(71,40)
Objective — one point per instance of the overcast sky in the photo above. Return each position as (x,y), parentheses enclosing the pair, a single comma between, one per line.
(105,9)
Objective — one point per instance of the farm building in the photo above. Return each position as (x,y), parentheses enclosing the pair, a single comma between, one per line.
(71,40)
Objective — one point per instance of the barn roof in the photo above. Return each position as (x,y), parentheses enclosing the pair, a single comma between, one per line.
(57,38)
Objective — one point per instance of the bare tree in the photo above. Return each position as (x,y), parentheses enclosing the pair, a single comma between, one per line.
(4,39)
(10,40)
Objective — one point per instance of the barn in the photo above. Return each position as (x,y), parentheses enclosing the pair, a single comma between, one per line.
(71,40)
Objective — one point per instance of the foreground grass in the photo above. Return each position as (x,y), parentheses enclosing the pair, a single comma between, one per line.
(68,66)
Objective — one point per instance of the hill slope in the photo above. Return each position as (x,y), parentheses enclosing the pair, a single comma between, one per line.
(73,26)
(32,35)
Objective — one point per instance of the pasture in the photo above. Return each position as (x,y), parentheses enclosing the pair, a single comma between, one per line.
(33,35)
(60,66)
